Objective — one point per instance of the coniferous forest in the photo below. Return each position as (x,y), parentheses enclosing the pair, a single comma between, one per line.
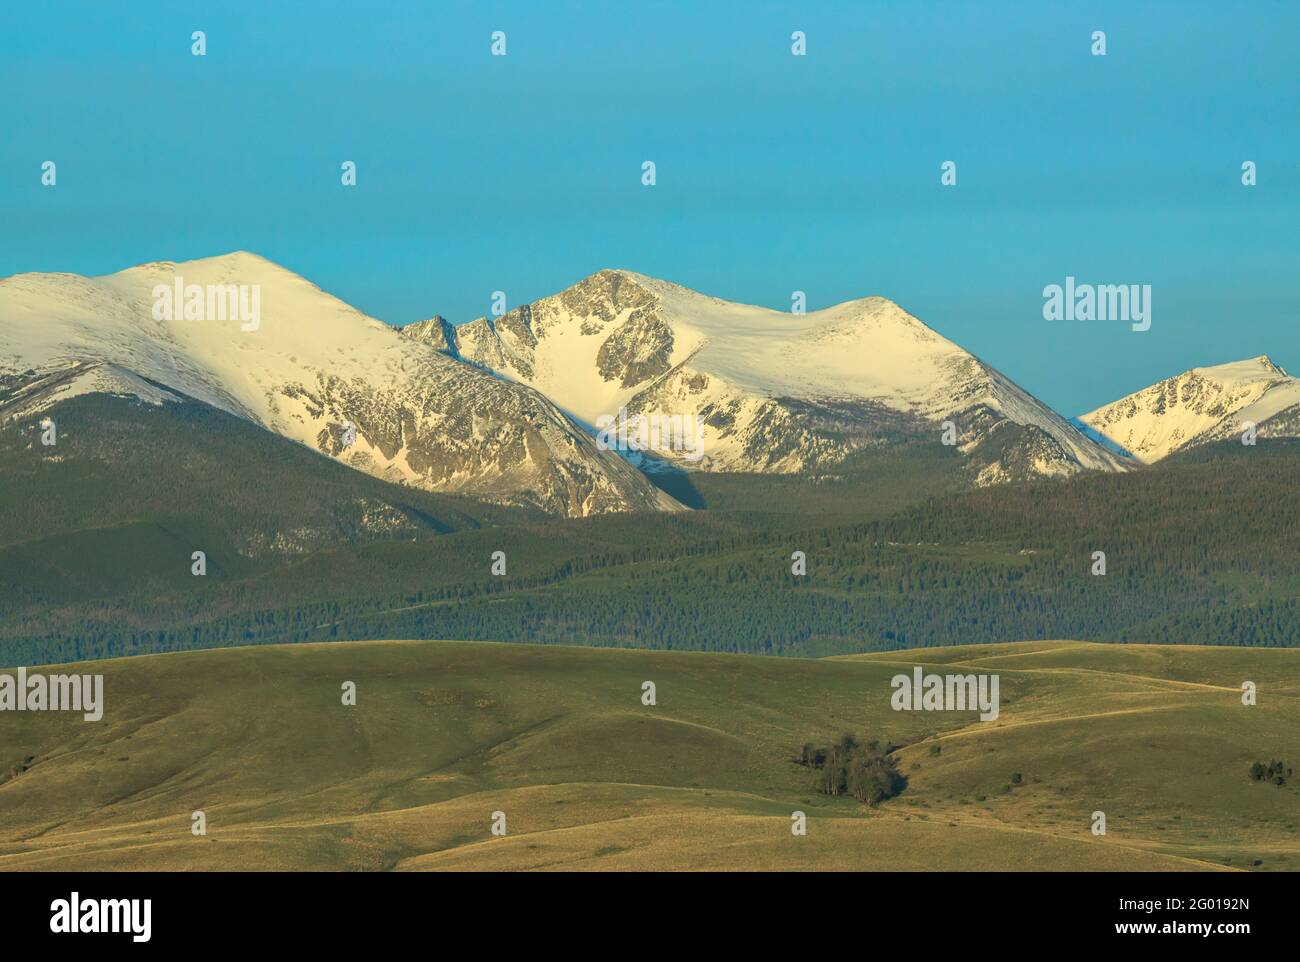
(96,555)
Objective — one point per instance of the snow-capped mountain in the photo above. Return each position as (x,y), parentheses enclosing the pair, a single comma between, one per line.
(1202,405)
(774,392)
(310,368)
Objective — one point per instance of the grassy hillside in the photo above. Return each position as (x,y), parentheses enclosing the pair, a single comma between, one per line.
(446,733)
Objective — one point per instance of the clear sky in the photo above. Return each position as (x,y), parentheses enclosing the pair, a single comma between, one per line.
(775,173)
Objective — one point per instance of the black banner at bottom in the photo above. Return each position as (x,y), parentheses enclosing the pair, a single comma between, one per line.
(334,911)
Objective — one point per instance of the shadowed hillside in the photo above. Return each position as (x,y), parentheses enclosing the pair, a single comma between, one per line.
(1200,549)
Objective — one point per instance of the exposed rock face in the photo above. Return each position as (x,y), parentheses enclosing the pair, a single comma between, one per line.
(437,332)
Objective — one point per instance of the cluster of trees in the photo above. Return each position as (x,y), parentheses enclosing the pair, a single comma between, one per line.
(18,769)
(1275,772)
(864,770)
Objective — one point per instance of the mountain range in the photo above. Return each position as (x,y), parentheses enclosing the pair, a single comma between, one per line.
(775,392)
(507,409)
(313,368)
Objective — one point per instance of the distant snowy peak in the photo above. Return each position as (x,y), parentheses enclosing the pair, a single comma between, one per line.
(773,391)
(256,340)
(1202,405)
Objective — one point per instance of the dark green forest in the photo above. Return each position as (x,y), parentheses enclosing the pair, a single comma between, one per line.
(96,542)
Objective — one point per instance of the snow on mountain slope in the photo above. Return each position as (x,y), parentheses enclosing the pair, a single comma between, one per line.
(1202,405)
(774,391)
(312,366)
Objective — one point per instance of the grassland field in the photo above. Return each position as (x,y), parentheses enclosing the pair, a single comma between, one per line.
(446,733)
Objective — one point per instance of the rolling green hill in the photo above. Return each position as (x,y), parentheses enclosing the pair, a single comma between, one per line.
(444,734)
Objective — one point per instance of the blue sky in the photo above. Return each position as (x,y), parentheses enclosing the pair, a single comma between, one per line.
(775,173)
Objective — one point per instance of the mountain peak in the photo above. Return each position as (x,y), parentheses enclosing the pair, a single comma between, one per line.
(235,264)
(438,332)
(1269,365)
(1202,405)
(1249,370)
(241,258)
(620,285)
